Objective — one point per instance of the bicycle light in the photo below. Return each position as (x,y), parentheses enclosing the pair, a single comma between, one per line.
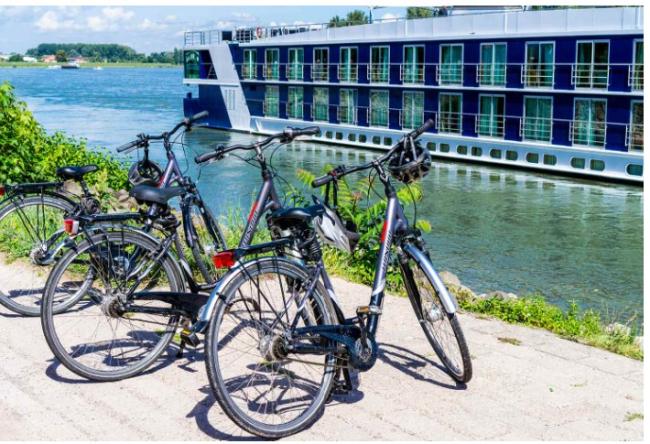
(224,259)
(2,191)
(71,226)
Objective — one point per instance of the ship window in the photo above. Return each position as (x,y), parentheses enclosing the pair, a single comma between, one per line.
(597,165)
(388,141)
(451,65)
(634,169)
(495,153)
(431,146)
(379,65)
(461,149)
(589,125)
(492,70)
(352,137)
(272,64)
(348,66)
(412,109)
(491,116)
(477,151)
(378,108)
(537,118)
(444,147)
(295,104)
(320,68)
(339,136)
(450,113)
(578,162)
(532,157)
(362,138)
(592,63)
(413,65)
(191,64)
(328,134)
(637,71)
(296,60)
(376,140)
(511,155)
(636,126)
(272,101)
(249,68)
(321,104)
(348,106)
(538,71)
(550,159)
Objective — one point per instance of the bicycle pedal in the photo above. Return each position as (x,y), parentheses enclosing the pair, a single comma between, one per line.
(189,337)
(365,310)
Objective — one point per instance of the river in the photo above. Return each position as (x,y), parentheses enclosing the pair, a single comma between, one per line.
(497,229)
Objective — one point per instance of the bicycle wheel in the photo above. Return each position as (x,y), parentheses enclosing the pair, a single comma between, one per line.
(111,333)
(29,228)
(442,329)
(263,388)
(207,238)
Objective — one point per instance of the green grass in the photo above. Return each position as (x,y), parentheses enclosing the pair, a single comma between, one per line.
(511,341)
(4,64)
(633,416)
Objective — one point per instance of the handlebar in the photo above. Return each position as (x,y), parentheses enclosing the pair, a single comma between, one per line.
(286,136)
(143,139)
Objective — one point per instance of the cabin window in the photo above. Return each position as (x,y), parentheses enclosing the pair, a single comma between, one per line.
(272,101)
(349,65)
(550,159)
(461,149)
(272,64)
(634,169)
(376,140)
(379,64)
(636,126)
(597,165)
(249,68)
(295,102)
(495,153)
(537,120)
(191,64)
(512,155)
(388,141)
(296,60)
(532,157)
(492,70)
(450,113)
(538,71)
(412,109)
(636,82)
(491,116)
(362,138)
(348,106)
(413,65)
(320,68)
(477,151)
(592,65)
(352,137)
(431,146)
(451,65)
(379,108)
(321,104)
(589,127)
(578,162)
(444,147)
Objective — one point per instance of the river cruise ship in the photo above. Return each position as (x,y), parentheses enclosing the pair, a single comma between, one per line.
(556,90)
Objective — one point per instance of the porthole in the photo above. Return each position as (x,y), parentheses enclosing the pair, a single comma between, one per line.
(477,151)
(362,138)
(328,134)
(376,140)
(597,165)
(388,141)
(578,162)
(495,153)
(444,147)
(339,136)
(512,155)
(352,137)
(431,146)
(462,150)
(550,159)
(532,158)
(634,169)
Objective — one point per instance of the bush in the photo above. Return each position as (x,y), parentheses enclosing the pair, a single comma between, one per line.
(29,154)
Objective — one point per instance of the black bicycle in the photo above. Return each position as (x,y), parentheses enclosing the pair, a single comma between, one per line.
(278,340)
(143,288)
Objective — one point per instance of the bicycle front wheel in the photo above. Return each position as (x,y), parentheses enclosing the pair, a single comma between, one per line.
(264,389)
(111,333)
(30,228)
(441,328)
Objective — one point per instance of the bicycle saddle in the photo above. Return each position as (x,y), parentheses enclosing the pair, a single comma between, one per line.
(75,172)
(303,214)
(149,194)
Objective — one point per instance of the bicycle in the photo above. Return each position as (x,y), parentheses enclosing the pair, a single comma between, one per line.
(145,288)
(277,341)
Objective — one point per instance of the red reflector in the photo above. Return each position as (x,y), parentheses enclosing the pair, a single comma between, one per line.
(71,226)
(2,191)
(224,259)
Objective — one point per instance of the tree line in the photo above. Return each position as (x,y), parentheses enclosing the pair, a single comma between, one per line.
(104,52)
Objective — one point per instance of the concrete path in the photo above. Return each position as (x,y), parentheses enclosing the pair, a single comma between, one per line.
(528,385)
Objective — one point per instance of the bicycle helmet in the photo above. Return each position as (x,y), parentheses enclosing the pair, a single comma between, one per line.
(144,172)
(410,163)
(334,232)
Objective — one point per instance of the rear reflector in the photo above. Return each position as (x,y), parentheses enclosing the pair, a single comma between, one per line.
(2,191)
(224,259)
(71,226)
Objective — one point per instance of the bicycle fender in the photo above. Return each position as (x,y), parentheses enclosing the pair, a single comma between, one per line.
(448,299)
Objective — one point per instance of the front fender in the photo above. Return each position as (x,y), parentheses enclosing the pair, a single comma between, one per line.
(448,300)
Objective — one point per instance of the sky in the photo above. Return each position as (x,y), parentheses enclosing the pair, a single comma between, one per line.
(148,28)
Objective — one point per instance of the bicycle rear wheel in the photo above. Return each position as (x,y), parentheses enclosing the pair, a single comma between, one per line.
(264,389)
(441,328)
(30,228)
(111,333)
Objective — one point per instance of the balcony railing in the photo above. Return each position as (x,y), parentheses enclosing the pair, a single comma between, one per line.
(271,108)
(589,75)
(320,72)
(411,119)
(634,137)
(489,126)
(450,73)
(320,112)
(538,129)
(348,72)
(635,77)
(412,74)
(271,71)
(449,122)
(539,75)
(378,117)
(295,71)
(588,133)
(379,73)
(491,74)
(347,115)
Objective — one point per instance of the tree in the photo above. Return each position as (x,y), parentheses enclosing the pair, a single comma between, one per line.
(356,17)
(15,58)
(415,12)
(61,56)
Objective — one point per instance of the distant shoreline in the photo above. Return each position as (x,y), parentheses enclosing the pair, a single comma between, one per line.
(89,65)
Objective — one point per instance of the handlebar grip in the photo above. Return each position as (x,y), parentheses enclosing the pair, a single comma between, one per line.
(320,181)
(127,146)
(198,116)
(295,132)
(202,158)
(418,131)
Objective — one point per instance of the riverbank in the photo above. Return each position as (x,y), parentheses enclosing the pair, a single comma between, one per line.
(90,65)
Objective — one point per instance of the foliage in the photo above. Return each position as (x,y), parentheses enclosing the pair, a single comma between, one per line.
(61,56)
(356,17)
(29,154)
(110,52)
(15,58)
(415,12)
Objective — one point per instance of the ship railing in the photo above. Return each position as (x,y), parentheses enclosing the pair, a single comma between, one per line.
(450,73)
(296,111)
(538,129)
(449,122)
(491,74)
(588,133)
(537,75)
(411,119)
(377,116)
(271,107)
(320,72)
(320,112)
(271,71)
(295,71)
(411,73)
(348,72)
(346,115)
(590,75)
(634,136)
(379,73)
(635,77)
(489,125)
(201,38)
(249,71)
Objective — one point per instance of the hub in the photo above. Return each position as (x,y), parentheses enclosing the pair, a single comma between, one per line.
(273,348)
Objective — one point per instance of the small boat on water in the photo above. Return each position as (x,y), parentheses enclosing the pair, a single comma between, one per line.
(98,68)
(54,67)
(70,66)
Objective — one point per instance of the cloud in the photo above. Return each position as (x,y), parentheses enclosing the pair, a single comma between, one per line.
(110,19)
(117,14)
(50,21)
